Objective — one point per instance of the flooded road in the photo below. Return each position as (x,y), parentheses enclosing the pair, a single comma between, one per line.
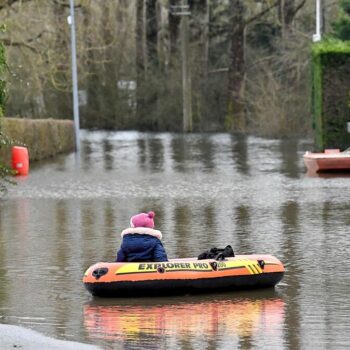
(207,190)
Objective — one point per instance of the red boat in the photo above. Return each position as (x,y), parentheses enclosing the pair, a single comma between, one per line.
(331,160)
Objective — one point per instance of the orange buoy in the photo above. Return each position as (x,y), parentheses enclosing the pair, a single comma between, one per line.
(20,160)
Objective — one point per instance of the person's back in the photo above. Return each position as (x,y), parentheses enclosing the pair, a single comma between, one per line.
(141,242)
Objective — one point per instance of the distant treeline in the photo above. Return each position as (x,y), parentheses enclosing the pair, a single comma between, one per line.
(249,62)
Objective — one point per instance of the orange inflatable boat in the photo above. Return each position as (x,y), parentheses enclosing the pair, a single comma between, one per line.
(179,276)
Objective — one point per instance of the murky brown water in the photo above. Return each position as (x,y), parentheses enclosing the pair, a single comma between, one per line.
(207,190)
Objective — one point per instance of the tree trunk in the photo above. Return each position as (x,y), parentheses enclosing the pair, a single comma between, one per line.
(236,107)
(200,38)
(152,61)
(186,74)
(140,58)
(57,92)
(151,35)
(107,89)
(286,11)
(174,25)
(91,116)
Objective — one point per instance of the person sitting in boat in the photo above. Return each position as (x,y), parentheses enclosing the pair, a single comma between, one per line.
(141,242)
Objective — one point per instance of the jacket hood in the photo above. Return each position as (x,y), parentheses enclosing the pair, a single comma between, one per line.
(142,231)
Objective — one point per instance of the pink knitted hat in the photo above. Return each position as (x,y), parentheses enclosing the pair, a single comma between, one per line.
(143,220)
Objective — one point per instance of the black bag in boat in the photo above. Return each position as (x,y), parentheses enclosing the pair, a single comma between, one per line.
(217,253)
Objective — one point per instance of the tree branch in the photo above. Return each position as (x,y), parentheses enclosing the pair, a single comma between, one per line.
(299,7)
(262,13)
(64,3)
(27,44)
(8,3)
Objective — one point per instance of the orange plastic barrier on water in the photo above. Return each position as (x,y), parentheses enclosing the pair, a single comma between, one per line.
(20,160)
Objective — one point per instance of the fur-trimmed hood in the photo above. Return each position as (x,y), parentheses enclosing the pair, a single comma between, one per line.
(142,231)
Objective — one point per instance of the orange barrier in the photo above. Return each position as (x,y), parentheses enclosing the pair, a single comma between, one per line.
(179,276)
(20,160)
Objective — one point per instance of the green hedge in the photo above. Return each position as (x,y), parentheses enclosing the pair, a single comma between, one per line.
(2,81)
(5,171)
(44,137)
(331,93)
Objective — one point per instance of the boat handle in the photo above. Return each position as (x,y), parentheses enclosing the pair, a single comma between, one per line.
(99,272)
(214,265)
(261,263)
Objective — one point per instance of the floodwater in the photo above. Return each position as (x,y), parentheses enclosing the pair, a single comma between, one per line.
(207,190)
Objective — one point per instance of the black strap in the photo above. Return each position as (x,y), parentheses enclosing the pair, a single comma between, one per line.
(217,253)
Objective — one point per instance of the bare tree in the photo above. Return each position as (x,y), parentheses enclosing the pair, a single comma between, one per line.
(236,71)
(236,116)
(174,25)
(140,58)
(287,10)
(151,35)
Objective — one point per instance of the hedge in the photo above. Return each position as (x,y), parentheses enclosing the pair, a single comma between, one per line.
(331,93)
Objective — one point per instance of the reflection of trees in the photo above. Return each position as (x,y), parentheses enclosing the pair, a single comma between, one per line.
(243,229)
(240,153)
(109,228)
(290,220)
(86,154)
(182,217)
(150,153)
(290,158)
(187,148)
(206,152)
(179,146)
(156,150)
(141,153)
(61,235)
(59,257)
(107,154)
(3,289)
(209,217)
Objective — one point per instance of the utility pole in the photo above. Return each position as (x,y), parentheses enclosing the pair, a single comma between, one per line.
(71,22)
(183,11)
(317,36)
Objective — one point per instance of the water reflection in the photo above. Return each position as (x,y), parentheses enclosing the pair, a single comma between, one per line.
(107,154)
(182,217)
(150,154)
(86,154)
(180,154)
(290,158)
(142,156)
(156,150)
(243,220)
(291,229)
(329,174)
(205,152)
(235,320)
(240,153)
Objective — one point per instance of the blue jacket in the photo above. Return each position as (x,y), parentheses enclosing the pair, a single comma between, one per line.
(141,247)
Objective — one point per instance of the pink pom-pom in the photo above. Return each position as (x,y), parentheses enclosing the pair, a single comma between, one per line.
(151,214)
